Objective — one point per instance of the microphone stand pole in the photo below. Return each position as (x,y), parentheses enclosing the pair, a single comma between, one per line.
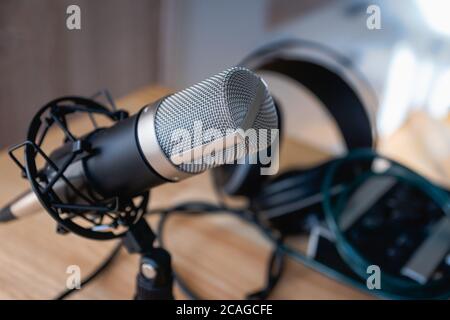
(154,280)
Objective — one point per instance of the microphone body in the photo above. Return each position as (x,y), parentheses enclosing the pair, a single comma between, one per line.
(118,165)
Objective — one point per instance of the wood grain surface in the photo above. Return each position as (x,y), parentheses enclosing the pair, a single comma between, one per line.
(220,256)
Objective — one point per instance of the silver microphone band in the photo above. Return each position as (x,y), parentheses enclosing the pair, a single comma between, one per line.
(25,204)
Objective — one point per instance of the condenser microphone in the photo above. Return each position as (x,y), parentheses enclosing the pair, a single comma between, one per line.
(166,140)
(179,136)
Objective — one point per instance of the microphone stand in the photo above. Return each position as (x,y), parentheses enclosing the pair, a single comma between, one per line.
(155,279)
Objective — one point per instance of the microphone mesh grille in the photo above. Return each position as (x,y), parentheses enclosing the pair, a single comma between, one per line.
(220,102)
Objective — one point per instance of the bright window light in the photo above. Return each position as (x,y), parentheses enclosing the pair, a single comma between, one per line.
(439,104)
(399,90)
(436,13)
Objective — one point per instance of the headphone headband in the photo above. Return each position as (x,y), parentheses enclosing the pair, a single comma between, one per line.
(339,99)
(331,79)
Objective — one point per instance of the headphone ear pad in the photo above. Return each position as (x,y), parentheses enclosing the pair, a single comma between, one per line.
(238,180)
(287,201)
(243,179)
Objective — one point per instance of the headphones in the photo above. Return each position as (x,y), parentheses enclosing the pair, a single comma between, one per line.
(329,77)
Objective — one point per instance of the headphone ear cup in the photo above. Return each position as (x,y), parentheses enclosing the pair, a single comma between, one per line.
(238,180)
(292,201)
(243,179)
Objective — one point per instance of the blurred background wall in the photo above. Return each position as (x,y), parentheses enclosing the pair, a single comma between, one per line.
(126,44)
(40,59)
(406,61)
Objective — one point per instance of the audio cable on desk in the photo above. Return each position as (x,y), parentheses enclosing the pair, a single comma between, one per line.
(275,264)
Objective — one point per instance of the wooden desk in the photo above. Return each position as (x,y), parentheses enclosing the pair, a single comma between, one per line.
(205,250)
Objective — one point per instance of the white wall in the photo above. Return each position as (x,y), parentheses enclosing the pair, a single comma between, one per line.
(204,37)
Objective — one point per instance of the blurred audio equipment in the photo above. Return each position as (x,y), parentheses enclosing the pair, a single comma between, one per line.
(355,215)
(341,90)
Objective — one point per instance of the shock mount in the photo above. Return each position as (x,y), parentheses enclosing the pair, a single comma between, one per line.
(53,175)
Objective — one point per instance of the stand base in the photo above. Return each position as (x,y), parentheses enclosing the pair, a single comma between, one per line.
(154,280)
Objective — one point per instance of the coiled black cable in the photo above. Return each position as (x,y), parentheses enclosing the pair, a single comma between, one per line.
(275,264)
(107,262)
